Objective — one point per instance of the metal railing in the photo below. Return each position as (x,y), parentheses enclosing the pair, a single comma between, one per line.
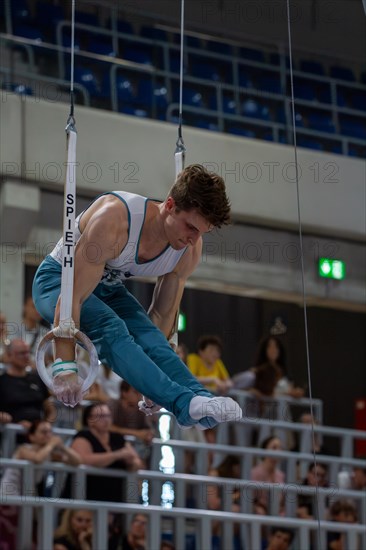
(183,484)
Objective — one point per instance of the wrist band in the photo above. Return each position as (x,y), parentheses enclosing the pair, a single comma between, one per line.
(63,367)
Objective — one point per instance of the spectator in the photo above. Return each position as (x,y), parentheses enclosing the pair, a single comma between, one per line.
(43,446)
(4,341)
(342,511)
(358,482)
(317,444)
(99,447)
(228,468)
(127,419)
(207,367)
(280,539)
(271,350)
(317,476)
(267,471)
(167,545)
(33,328)
(135,539)
(23,396)
(75,531)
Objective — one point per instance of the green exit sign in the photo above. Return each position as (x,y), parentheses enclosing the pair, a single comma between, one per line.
(331,269)
(182,322)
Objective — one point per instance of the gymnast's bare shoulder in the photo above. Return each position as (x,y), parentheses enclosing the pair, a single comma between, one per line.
(105,225)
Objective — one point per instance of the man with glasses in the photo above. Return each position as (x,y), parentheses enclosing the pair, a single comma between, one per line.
(23,396)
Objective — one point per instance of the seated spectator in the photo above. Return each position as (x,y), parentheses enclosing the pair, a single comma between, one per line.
(267,471)
(280,539)
(135,539)
(127,419)
(317,475)
(228,468)
(23,396)
(75,531)
(43,446)
(32,328)
(317,447)
(207,367)
(342,511)
(98,446)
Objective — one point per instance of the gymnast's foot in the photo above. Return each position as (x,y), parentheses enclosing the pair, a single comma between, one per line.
(221,409)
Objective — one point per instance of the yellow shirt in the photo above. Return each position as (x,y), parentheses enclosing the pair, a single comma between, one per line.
(199,369)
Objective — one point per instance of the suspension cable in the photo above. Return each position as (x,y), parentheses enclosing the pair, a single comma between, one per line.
(304,293)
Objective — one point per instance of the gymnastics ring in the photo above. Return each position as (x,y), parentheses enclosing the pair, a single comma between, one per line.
(87,344)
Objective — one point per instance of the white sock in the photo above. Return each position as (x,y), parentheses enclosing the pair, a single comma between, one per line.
(222,409)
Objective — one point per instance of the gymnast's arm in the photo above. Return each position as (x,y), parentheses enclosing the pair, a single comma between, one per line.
(169,289)
(104,236)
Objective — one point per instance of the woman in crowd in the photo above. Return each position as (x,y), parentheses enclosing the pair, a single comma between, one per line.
(75,531)
(267,471)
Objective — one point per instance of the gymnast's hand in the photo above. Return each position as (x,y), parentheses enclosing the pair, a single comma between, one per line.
(67,388)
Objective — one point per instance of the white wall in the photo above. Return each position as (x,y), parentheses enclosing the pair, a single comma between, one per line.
(121,152)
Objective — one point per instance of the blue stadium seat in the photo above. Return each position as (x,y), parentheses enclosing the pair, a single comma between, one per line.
(354,128)
(207,70)
(191,96)
(342,73)
(149,94)
(270,84)
(324,93)
(309,66)
(228,103)
(32,33)
(87,78)
(206,125)
(321,122)
(363,77)
(310,144)
(238,131)
(305,90)
(281,117)
(245,79)
(138,54)
(252,108)
(125,89)
(16,88)
(101,47)
(130,110)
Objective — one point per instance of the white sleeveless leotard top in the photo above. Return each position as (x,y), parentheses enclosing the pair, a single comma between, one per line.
(126,265)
